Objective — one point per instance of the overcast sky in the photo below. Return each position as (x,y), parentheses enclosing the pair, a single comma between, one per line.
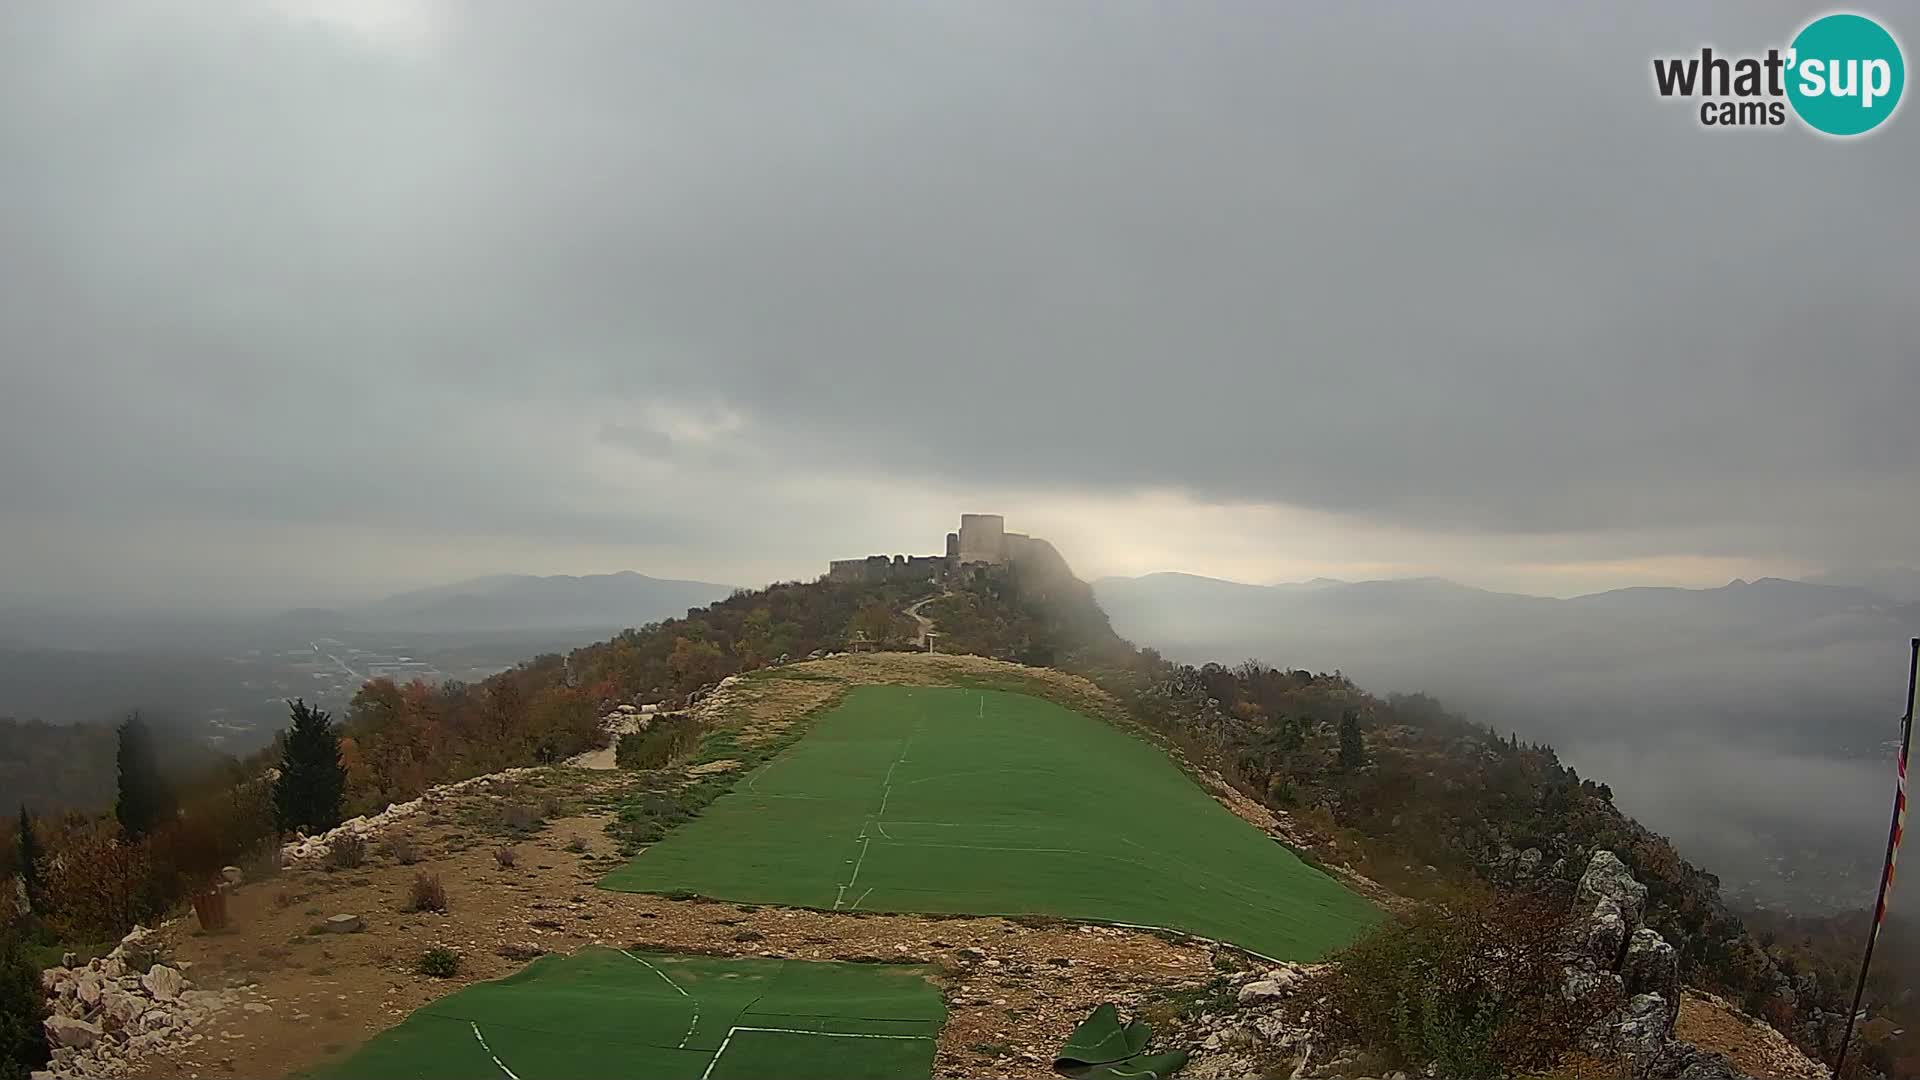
(305,301)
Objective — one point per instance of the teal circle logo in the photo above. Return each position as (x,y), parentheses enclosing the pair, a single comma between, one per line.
(1846,74)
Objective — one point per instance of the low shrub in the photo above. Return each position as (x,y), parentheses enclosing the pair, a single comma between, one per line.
(439,962)
(662,742)
(402,850)
(506,857)
(346,852)
(577,845)
(427,893)
(1474,986)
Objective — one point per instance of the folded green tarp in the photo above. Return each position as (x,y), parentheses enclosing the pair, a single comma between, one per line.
(1102,1048)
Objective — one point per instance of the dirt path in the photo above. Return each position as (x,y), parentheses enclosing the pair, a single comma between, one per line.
(925,623)
(605,758)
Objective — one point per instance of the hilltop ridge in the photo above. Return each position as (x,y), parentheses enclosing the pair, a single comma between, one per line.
(1339,773)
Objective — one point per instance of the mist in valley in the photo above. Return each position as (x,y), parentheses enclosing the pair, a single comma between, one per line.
(1755,723)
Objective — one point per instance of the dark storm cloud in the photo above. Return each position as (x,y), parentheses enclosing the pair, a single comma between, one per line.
(1449,270)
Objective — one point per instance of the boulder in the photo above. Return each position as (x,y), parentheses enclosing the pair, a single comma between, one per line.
(233,874)
(1583,983)
(163,982)
(1651,966)
(1263,990)
(345,924)
(1641,1029)
(120,1009)
(89,987)
(1607,877)
(1529,862)
(1605,933)
(66,1031)
(53,978)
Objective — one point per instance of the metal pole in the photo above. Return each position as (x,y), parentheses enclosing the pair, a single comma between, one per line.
(1886,870)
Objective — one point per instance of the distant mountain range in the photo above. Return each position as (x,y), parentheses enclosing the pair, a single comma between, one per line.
(521,602)
(1672,646)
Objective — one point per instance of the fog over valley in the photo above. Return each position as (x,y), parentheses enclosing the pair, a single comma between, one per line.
(1752,722)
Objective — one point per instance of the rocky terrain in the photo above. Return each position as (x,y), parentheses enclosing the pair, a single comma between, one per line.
(109,1013)
(1263,1022)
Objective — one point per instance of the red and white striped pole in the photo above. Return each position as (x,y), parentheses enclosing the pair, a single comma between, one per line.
(1894,835)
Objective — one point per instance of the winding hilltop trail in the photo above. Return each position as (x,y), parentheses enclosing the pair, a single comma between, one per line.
(925,623)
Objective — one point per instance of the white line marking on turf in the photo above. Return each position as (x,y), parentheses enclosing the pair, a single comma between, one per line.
(691,1024)
(791,1031)
(830,1034)
(886,793)
(496,1058)
(862,900)
(865,842)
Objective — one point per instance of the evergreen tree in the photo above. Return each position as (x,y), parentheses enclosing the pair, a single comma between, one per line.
(145,798)
(1353,747)
(23,1011)
(312,780)
(30,862)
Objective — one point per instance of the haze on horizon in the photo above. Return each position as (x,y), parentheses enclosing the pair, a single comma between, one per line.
(309,302)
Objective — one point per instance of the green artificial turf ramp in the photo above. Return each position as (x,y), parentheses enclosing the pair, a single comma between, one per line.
(605,1012)
(948,800)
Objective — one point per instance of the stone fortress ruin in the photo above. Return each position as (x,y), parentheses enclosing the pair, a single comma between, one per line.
(982,542)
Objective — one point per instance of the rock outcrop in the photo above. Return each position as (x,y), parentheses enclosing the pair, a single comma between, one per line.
(107,1015)
(1612,946)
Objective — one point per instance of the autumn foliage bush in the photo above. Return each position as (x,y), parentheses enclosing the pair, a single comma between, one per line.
(98,885)
(1475,986)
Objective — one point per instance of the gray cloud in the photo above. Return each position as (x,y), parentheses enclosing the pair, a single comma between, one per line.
(1451,272)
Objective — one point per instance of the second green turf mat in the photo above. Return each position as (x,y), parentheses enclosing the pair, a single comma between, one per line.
(948,800)
(604,1012)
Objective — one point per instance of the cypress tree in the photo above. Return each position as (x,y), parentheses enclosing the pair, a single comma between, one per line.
(312,782)
(1353,747)
(30,861)
(145,799)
